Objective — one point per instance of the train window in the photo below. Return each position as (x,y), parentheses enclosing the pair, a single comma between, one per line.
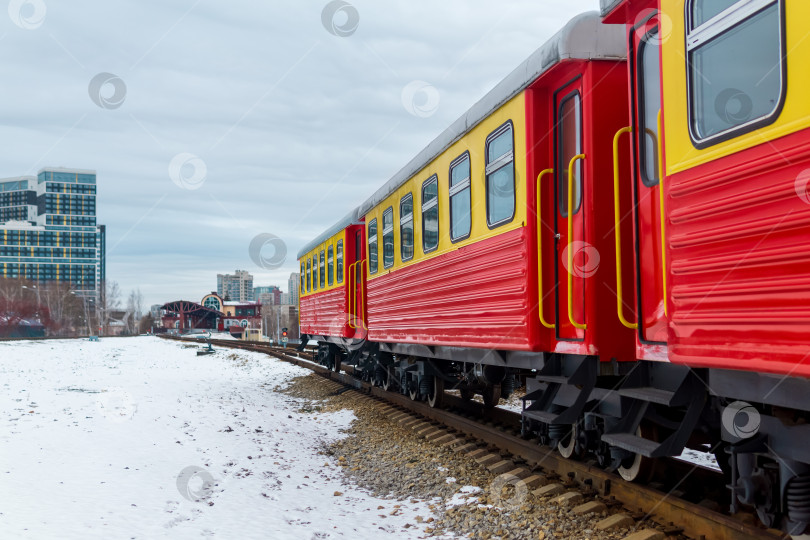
(309,274)
(735,66)
(649,92)
(340,261)
(460,200)
(330,265)
(372,246)
(500,176)
(388,237)
(569,145)
(322,271)
(302,280)
(406,227)
(705,10)
(430,214)
(315,272)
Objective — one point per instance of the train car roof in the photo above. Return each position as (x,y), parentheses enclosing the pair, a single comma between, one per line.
(351,218)
(583,38)
(606,6)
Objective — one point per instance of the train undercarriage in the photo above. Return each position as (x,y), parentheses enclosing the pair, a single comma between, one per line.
(626,416)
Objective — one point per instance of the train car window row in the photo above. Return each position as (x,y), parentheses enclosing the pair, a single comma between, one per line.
(406,227)
(372,246)
(500,176)
(460,198)
(388,237)
(430,214)
(340,261)
(500,202)
(322,270)
(727,97)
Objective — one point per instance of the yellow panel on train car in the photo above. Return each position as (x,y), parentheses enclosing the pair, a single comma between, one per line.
(734,76)
(315,270)
(510,115)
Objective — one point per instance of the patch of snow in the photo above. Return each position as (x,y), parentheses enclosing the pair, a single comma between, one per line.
(140,438)
(703,459)
(465,495)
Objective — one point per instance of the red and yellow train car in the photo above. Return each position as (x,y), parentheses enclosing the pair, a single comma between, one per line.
(727,81)
(331,295)
(462,266)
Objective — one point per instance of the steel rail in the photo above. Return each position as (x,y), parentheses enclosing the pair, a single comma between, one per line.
(694,520)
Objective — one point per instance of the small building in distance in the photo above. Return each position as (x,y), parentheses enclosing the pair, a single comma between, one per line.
(236,316)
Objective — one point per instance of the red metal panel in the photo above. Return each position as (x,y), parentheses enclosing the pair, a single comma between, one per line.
(326,314)
(739,249)
(476,296)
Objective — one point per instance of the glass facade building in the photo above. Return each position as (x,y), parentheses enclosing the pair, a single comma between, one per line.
(48,230)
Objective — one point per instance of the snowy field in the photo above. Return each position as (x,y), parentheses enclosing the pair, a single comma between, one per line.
(140,438)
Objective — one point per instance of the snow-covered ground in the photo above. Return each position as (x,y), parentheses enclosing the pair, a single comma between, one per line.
(141,438)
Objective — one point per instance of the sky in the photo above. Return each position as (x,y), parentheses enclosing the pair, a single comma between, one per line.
(225,135)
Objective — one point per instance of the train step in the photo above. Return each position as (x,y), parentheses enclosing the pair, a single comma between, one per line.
(655,395)
(553,379)
(635,444)
(541,416)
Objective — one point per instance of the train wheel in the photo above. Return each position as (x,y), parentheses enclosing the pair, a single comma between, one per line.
(386,380)
(638,467)
(381,377)
(336,362)
(492,395)
(436,394)
(568,444)
(413,388)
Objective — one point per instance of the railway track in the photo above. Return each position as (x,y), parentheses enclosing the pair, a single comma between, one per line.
(498,445)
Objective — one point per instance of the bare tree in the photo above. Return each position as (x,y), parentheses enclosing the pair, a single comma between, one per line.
(134,311)
(110,301)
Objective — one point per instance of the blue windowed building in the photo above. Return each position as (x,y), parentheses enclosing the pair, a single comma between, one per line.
(48,230)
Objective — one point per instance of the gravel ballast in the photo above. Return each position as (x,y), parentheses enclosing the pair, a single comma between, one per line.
(466,499)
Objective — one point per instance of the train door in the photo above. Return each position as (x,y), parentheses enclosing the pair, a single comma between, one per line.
(572,266)
(651,280)
(358,288)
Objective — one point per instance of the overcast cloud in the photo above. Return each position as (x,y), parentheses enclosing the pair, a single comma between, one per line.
(293,126)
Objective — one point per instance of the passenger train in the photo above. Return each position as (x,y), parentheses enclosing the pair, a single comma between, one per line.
(624,223)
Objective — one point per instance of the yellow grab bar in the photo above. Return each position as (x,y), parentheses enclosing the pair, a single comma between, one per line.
(352,271)
(362,297)
(617,228)
(570,242)
(540,252)
(661,211)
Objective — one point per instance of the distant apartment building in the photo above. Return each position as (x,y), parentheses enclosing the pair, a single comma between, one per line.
(293,285)
(48,230)
(270,295)
(236,287)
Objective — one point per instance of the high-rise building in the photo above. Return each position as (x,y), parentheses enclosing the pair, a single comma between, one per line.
(294,284)
(267,295)
(48,230)
(236,287)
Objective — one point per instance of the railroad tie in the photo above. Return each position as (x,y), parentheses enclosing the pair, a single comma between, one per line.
(646,534)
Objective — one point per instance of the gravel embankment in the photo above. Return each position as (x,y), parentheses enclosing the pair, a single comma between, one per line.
(392,462)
